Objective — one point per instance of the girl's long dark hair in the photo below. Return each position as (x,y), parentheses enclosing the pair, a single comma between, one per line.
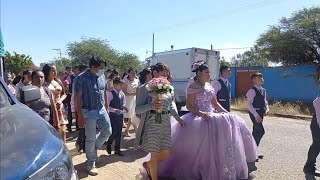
(46,70)
(129,70)
(195,78)
(111,76)
(34,73)
(143,75)
(158,67)
(25,72)
(125,75)
(201,68)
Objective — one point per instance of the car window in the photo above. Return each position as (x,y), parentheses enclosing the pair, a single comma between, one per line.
(5,99)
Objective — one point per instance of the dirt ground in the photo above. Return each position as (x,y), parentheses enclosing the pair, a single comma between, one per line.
(285,146)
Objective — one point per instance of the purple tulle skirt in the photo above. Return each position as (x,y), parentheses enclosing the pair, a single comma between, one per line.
(215,149)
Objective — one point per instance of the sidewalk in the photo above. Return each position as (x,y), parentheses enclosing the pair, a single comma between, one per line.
(111,167)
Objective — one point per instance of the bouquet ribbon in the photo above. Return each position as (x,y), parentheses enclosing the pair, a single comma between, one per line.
(159,111)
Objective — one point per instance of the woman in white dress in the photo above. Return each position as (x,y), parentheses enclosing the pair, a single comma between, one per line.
(130,90)
(170,79)
(57,89)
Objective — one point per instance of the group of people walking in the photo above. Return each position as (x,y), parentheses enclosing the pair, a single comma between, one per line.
(50,106)
(208,143)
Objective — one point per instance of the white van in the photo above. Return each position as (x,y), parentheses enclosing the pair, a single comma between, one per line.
(180,63)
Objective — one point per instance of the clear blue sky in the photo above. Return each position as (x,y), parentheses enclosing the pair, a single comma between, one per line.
(35,27)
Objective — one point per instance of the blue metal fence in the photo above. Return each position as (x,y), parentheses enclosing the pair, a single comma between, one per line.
(294,83)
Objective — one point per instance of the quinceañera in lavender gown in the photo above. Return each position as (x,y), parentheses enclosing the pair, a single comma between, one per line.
(218,147)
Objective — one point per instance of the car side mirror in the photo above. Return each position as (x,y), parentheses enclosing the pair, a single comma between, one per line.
(30,93)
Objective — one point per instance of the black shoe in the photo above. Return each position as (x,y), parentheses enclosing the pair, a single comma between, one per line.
(109,148)
(119,153)
(260,156)
(252,167)
(314,172)
(78,147)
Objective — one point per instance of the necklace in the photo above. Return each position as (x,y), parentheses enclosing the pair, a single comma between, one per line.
(200,83)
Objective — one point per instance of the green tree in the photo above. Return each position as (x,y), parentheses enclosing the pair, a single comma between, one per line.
(251,57)
(223,62)
(16,62)
(62,63)
(126,61)
(295,40)
(81,52)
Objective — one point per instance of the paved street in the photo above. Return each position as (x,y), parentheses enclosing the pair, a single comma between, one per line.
(284,146)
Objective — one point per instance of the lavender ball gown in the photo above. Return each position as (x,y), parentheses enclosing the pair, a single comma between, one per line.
(214,149)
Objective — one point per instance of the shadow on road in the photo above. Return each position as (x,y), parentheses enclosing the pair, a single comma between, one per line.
(72,136)
(310,177)
(130,155)
(81,170)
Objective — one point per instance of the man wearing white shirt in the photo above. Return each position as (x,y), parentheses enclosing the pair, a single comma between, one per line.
(222,88)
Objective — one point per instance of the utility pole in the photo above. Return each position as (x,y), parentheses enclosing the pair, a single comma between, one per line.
(59,50)
(153,45)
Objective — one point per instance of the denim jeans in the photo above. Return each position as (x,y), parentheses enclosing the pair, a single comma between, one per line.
(94,119)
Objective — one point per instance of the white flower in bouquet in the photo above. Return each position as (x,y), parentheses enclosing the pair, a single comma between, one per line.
(159,86)
(148,87)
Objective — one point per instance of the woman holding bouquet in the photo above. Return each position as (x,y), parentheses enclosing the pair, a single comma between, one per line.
(156,109)
(214,144)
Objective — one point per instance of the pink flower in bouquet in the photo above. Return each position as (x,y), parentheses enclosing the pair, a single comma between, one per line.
(159,85)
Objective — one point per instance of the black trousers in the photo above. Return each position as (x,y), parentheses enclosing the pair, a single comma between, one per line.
(258,129)
(116,124)
(225,105)
(81,140)
(67,104)
(315,146)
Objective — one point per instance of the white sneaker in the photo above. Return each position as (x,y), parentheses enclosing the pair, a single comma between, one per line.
(92,170)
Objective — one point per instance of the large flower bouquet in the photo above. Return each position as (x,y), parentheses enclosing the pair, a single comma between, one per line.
(159,86)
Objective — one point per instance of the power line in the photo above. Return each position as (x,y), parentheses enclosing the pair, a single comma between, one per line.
(226,13)
(225,49)
(210,17)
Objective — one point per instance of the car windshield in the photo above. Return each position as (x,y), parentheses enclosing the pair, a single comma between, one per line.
(5,99)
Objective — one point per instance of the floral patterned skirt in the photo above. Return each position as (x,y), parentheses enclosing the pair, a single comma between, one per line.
(62,115)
